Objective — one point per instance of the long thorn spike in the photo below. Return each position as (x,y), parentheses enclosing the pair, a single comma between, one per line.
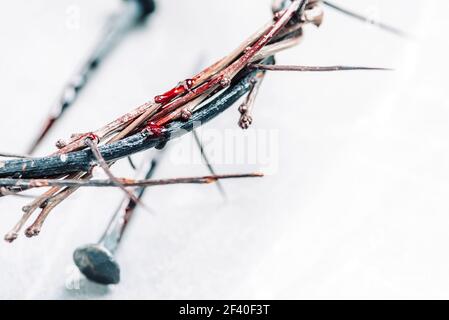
(208,163)
(314,69)
(365,19)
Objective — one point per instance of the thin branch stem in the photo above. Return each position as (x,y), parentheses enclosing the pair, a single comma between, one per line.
(28,210)
(52,203)
(72,183)
(208,163)
(104,165)
(313,69)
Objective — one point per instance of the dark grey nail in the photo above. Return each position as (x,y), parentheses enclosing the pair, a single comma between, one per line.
(97,263)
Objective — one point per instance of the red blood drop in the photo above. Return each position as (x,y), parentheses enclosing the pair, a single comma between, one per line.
(173,93)
(91,136)
(154,128)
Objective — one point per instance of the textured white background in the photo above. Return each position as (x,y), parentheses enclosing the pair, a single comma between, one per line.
(358,207)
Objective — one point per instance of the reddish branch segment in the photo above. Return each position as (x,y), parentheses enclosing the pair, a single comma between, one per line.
(224,78)
(154,129)
(181,89)
(246,118)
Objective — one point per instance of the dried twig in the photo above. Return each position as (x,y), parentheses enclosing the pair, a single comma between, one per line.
(125,182)
(314,69)
(36,227)
(246,108)
(39,202)
(92,144)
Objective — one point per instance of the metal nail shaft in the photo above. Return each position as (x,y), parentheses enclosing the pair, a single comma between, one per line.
(131,15)
(96,261)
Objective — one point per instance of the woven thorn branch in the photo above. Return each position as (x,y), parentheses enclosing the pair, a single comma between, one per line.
(83,160)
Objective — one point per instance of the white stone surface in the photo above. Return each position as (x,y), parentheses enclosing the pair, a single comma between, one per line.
(357,205)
